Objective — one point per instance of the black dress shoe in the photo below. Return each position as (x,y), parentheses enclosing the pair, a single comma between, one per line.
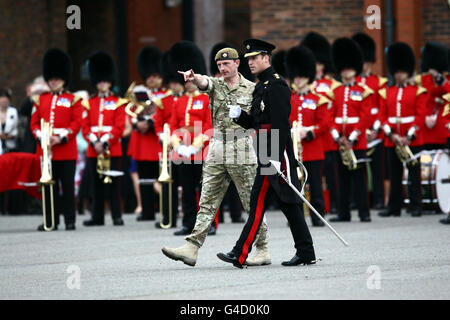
(212,230)
(318,223)
(365,219)
(70,226)
(296,260)
(41,228)
(142,218)
(446,220)
(230,257)
(379,205)
(90,223)
(183,231)
(118,222)
(339,219)
(387,213)
(238,220)
(416,213)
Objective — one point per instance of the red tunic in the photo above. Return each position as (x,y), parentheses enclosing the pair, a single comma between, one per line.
(351,111)
(191,117)
(310,111)
(64,112)
(104,117)
(434,105)
(323,87)
(401,109)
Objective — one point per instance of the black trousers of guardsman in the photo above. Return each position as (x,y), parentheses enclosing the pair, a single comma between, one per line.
(260,197)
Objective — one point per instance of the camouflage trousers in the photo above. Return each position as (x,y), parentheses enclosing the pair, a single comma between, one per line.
(216,178)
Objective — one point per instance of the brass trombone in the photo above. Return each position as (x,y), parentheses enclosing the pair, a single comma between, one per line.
(46,173)
(165,178)
(103,165)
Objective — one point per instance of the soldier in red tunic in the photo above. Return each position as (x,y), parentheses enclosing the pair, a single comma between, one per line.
(102,126)
(352,102)
(144,146)
(325,83)
(434,65)
(402,115)
(309,110)
(374,133)
(63,111)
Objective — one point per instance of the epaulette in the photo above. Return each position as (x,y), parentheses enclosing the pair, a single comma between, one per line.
(36,99)
(420,90)
(367,91)
(334,84)
(322,100)
(418,79)
(121,102)
(85,104)
(446,97)
(382,93)
(382,81)
(158,101)
(76,99)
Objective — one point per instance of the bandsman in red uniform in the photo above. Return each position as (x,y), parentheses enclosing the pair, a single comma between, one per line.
(434,65)
(374,133)
(162,116)
(103,124)
(402,114)
(446,116)
(325,83)
(352,102)
(144,146)
(63,111)
(309,109)
(190,122)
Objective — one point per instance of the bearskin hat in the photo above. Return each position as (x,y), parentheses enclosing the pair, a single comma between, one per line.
(347,55)
(367,46)
(434,56)
(244,69)
(300,62)
(279,62)
(167,71)
(185,55)
(57,64)
(149,61)
(321,49)
(102,68)
(400,57)
(212,55)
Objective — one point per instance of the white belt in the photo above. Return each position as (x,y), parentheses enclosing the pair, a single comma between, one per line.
(60,131)
(95,129)
(350,120)
(394,120)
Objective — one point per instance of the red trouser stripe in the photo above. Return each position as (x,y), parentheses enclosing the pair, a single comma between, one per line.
(257,218)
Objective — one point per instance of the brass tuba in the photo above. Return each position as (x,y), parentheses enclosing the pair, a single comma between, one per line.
(165,178)
(136,108)
(46,173)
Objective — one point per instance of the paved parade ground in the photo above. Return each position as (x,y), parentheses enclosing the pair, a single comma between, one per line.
(389,258)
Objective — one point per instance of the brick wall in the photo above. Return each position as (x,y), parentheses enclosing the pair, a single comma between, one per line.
(28,28)
(436,21)
(285,22)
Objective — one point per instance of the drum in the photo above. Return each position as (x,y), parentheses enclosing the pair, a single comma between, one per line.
(443,182)
(429,161)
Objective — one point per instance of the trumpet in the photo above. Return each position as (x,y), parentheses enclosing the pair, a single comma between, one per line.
(103,165)
(138,109)
(46,174)
(348,157)
(165,178)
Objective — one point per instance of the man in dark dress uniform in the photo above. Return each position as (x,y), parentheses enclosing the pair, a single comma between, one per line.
(269,114)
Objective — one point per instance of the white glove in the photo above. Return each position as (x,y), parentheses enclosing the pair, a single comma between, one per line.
(191,150)
(182,150)
(235,111)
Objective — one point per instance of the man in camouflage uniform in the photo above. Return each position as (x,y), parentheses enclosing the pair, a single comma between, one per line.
(231,156)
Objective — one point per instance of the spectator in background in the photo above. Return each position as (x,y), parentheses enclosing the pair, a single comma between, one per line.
(9,120)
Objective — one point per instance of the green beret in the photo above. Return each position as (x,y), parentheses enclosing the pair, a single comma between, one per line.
(227,54)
